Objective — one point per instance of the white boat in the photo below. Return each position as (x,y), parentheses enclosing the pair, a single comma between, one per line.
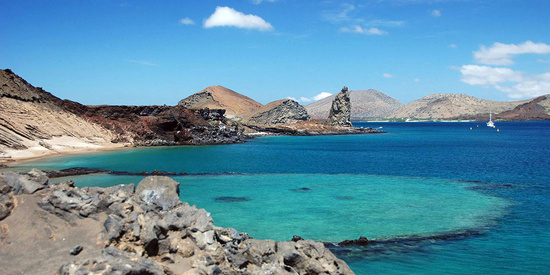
(490,123)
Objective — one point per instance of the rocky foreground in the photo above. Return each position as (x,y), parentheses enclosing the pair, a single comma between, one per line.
(57,228)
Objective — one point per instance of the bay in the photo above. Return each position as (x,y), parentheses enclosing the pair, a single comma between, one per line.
(419,179)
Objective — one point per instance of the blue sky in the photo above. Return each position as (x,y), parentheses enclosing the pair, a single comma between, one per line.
(158,52)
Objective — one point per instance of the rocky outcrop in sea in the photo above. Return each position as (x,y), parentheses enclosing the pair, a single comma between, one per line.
(146,231)
(340,111)
(280,112)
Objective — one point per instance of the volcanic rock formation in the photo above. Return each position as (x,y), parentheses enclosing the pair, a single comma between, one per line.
(365,104)
(340,111)
(60,228)
(279,112)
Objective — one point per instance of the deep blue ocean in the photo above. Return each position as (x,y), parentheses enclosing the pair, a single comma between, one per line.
(439,198)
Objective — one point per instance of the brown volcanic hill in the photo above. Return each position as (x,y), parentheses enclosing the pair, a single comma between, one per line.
(447,106)
(278,112)
(218,97)
(32,117)
(534,109)
(364,104)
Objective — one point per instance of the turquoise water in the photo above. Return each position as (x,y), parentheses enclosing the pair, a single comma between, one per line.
(451,199)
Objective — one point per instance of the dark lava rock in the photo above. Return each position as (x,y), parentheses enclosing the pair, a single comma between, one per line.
(303,189)
(231,199)
(296,238)
(76,250)
(361,241)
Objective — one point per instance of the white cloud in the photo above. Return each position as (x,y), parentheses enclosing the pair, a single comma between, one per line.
(321,96)
(436,13)
(315,98)
(361,30)
(454,46)
(187,21)
(417,80)
(485,75)
(228,17)
(515,84)
(533,86)
(501,54)
(386,75)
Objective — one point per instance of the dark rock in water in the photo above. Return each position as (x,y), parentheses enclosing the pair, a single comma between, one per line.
(162,173)
(76,250)
(361,241)
(303,189)
(231,199)
(296,238)
(74,171)
(340,112)
(159,192)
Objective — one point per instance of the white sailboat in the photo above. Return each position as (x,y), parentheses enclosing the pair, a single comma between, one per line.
(490,123)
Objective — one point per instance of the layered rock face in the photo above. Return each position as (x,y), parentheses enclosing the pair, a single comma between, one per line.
(149,231)
(279,112)
(340,111)
(32,117)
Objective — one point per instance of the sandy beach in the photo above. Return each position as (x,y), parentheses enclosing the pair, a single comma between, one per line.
(58,146)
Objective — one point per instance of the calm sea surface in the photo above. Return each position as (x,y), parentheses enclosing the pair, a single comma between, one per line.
(440,198)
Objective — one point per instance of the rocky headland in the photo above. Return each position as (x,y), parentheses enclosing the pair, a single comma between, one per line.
(57,228)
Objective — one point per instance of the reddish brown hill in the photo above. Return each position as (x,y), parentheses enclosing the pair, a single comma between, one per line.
(218,97)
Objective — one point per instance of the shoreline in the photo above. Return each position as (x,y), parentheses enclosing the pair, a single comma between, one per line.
(69,148)
(29,155)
